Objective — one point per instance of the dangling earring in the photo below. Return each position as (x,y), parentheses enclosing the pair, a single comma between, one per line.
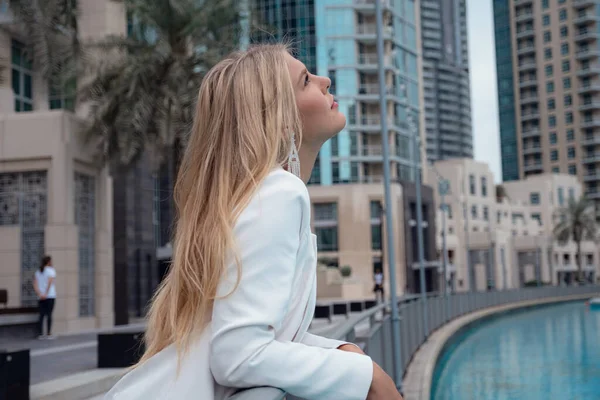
(293,159)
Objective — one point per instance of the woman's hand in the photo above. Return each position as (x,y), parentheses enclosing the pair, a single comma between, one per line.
(382,386)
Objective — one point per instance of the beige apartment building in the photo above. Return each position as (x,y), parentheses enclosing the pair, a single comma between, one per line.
(506,236)
(548,67)
(53,198)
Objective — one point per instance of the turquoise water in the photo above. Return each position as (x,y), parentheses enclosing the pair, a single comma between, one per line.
(545,353)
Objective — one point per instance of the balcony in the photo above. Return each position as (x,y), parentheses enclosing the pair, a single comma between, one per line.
(591,176)
(526,33)
(526,50)
(366,122)
(591,123)
(591,105)
(533,166)
(592,194)
(586,35)
(590,140)
(587,54)
(588,88)
(583,3)
(530,133)
(529,99)
(532,149)
(528,83)
(530,116)
(367,33)
(524,16)
(591,158)
(589,71)
(371,61)
(528,66)
(585,17)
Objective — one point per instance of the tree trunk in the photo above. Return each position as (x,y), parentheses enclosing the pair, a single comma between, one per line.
(580,266)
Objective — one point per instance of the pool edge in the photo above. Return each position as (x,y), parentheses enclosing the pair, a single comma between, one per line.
(419,373)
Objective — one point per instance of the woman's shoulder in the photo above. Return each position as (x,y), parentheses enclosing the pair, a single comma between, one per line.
(280,190)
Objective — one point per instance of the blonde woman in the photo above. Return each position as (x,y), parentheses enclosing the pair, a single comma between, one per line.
(235,308)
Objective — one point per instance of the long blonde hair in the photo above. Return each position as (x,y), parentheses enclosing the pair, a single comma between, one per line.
(245,117)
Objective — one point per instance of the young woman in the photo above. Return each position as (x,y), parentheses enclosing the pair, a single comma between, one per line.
(234,310)
(43,283)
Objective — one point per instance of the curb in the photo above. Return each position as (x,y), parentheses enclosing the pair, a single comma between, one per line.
(78,386)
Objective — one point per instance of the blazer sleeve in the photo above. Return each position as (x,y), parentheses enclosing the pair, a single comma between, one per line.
(319,341)
(244,351)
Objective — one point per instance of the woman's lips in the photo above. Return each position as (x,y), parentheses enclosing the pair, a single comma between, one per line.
(334,105)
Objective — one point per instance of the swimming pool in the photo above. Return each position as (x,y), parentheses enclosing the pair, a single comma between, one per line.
(551,352)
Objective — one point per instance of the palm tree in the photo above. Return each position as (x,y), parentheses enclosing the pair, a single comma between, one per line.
(576,222)
(144,86)
(52,31)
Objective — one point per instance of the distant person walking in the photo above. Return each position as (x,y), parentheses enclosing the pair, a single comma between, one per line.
(378,289)
(43,283)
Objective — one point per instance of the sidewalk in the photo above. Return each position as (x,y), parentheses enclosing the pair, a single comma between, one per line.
(65,355)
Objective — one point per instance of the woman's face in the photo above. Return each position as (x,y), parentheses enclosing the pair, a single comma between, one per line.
(319,112)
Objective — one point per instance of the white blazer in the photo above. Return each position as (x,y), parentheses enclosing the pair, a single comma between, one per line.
(258,334)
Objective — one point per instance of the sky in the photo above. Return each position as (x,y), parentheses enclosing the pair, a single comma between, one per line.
(484,98)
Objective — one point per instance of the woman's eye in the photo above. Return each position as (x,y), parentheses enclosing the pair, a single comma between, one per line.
(306,80)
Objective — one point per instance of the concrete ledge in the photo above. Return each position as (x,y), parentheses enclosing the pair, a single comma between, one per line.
(77,386)
(419,374)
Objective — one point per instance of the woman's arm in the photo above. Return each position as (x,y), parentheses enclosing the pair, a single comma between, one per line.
(244,351)
(50,282)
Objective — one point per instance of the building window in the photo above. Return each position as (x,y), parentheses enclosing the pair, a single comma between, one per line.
(555,170)
(561,197)
(548,53)
(23,203)
(534,198)
(22,82)
(570,135)
(571,153)
(547,36)
(572,169)
(354,171)
(564,31)
(551,104)
(562,15)
(545,4)
(566,66)
(571,194)
(335,171)
(554,155)
(326,226)
(569,118)
(376,231)
(550,87)
(537,217)
(315,175)
(85,221)
(483,186)
(472,184)
(551,121)
(546,20)
(567,83)
(568,100)
(553,138)
(549,70)
(474,212)
(564,49)
(334,146)
(486,215)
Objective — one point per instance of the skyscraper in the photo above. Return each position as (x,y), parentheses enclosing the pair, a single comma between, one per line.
(446,79)
(548,82)
(347,53)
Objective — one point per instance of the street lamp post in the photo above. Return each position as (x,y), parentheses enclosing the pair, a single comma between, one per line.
(443,188)
(388,202)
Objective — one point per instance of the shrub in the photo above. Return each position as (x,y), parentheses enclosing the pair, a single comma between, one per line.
(346,271)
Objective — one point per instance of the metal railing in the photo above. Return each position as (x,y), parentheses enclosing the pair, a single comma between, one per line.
(440,309)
